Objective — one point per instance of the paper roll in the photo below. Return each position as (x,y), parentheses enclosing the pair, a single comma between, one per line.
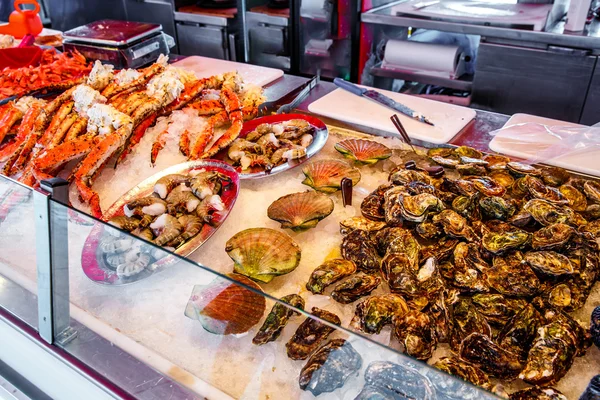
(417,56)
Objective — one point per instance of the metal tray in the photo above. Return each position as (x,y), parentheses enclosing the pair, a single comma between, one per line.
(92,258)
(319,140)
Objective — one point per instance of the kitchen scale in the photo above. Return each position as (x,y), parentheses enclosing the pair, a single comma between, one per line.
(123,44)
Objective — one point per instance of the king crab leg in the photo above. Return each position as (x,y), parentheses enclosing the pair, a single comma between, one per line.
(114,88)
(233,107)
(10,118)
(137,135)
(77,128)
(24,129)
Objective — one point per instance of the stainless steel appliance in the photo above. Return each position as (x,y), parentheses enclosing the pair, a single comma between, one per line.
(269,36)
(124,44)
(210,32)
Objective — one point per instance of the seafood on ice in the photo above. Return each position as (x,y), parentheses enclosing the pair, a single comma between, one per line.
(107,114)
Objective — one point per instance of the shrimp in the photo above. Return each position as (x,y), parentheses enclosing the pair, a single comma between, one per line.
(209,206)
(166,228)
(126,223)
(207,183)
(181,198)
(191,227)
(167,183)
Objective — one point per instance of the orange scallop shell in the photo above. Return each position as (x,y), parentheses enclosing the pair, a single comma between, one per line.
(326,175)
(225,308)
(363,151)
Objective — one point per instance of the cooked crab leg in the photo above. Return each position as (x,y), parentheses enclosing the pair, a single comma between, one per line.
(132,102)
(77,128)
(10,118)
(61,154)
(207,107)
(94,161)
(62,113)
(206,135)
(233,107)
(62,130)
(135,138)
(24,129)
(159,144)
(191,91)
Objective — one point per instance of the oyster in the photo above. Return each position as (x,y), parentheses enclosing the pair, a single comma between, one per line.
(406,176)
(360,223)
(467,274)
(592,392)
(517,336)
(404,381)
(454,225)
(473,161)
(549,263)
(405,242)
(450,161)
(328,273)
(496,162)
(465,151)
(384,237)
(363,151)
(440,152)
(492,359)
(495,207)
(551,355)
(441,250)
(369,392)
(428,230)
(372,207)
(372,314)
(310,334)
(329,367)
(503,178)
(510,277)
(555,176)
(439,310)
(226,308)
(467,320)
(263,253)
(416,332)
(552,237)
(400,272)
(300,211)
(547,213)
(500,243)
(416,208)
(538,393)
(278,319)
(467,207)
(354,288)
(592,191)
(497,308)
(521,219)
(538,190)
(360,248)
(560,296)
(577,200)
(592,212)
(486,185)
(471,169)
(595,326)
(519,169)
(326,175)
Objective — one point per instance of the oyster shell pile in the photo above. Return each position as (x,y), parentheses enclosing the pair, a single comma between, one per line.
(490,258)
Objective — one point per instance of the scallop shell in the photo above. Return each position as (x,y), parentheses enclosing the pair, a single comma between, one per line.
(300,211)
(363,151)
(262,253)
(326,175)
(226,308)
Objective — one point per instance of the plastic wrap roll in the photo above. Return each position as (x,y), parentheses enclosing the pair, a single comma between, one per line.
(418,56)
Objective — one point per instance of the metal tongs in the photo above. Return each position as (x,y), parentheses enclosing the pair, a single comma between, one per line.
(276,106)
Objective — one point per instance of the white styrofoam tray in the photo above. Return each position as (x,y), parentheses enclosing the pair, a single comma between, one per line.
(449,119)
(205,67)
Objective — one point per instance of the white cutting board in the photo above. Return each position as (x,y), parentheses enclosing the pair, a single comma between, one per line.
(205,67)
(587,163)
(344,106)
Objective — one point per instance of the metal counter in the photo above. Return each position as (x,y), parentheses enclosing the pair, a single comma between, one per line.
(553,35)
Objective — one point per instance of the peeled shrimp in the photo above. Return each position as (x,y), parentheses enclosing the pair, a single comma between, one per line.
(207,183)
(134,267)
(149,205)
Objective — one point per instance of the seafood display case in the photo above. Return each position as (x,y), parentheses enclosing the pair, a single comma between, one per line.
(304,259)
